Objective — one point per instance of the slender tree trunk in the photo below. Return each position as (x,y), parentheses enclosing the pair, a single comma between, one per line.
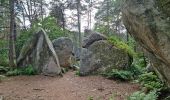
(108,17)
(23,15)
(15,31)
(91,13)
(12,55)
(29,12)
(88,19)
(79,25)
(41,10)
(63,20)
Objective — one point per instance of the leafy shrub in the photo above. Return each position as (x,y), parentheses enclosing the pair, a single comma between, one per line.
(50,26)
(29,70)
(135,70)
(77,73)
(3,69)
(14,72)
(142,96)
(90,98)
(3,43)
(4,57)
(118,74)
(150,81)
(138,66)
(140,61)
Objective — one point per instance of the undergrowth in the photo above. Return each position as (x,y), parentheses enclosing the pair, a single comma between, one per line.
(118,74)
(137,71)
(29,70)
(150,81)
(3,53)
(143,96)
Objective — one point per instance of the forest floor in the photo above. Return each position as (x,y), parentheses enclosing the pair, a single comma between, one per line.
(68,87)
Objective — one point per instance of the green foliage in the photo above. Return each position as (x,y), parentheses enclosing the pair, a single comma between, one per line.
(112,97)
(135,70)
(102,29)
(52,29)
(140,61)
(150,81)
(90,98)
(142,96)
(132,72)
(131,41)
(118,74)
(22,39)
(3,53)
(138,66)
(4,57)
(3,69)
(29,70)
(3,43)
(77,73)
(14,72)
(122,45)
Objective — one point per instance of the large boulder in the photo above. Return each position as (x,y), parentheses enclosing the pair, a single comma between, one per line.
(101,56)
(91,38)
(50,68)
(63,47)
(148,22)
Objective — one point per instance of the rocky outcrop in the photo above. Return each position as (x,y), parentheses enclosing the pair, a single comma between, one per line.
(63,47)
(148,22)
(91,38)
(101,56)
(39,52)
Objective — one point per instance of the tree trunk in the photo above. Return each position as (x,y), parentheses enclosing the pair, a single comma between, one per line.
(63,20)
(79,25)
(148,22)
(12,55)
(108,27)
(41,10)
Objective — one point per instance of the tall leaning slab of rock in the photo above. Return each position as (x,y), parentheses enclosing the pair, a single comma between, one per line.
(39,52)
(148,22)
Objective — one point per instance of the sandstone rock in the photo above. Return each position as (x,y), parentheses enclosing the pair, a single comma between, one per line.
(63,47)
(76,53)
(91,38)
(102,56)
(50,68)
(37,52)
(148,22)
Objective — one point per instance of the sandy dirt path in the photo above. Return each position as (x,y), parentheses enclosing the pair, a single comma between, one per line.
(68,87)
